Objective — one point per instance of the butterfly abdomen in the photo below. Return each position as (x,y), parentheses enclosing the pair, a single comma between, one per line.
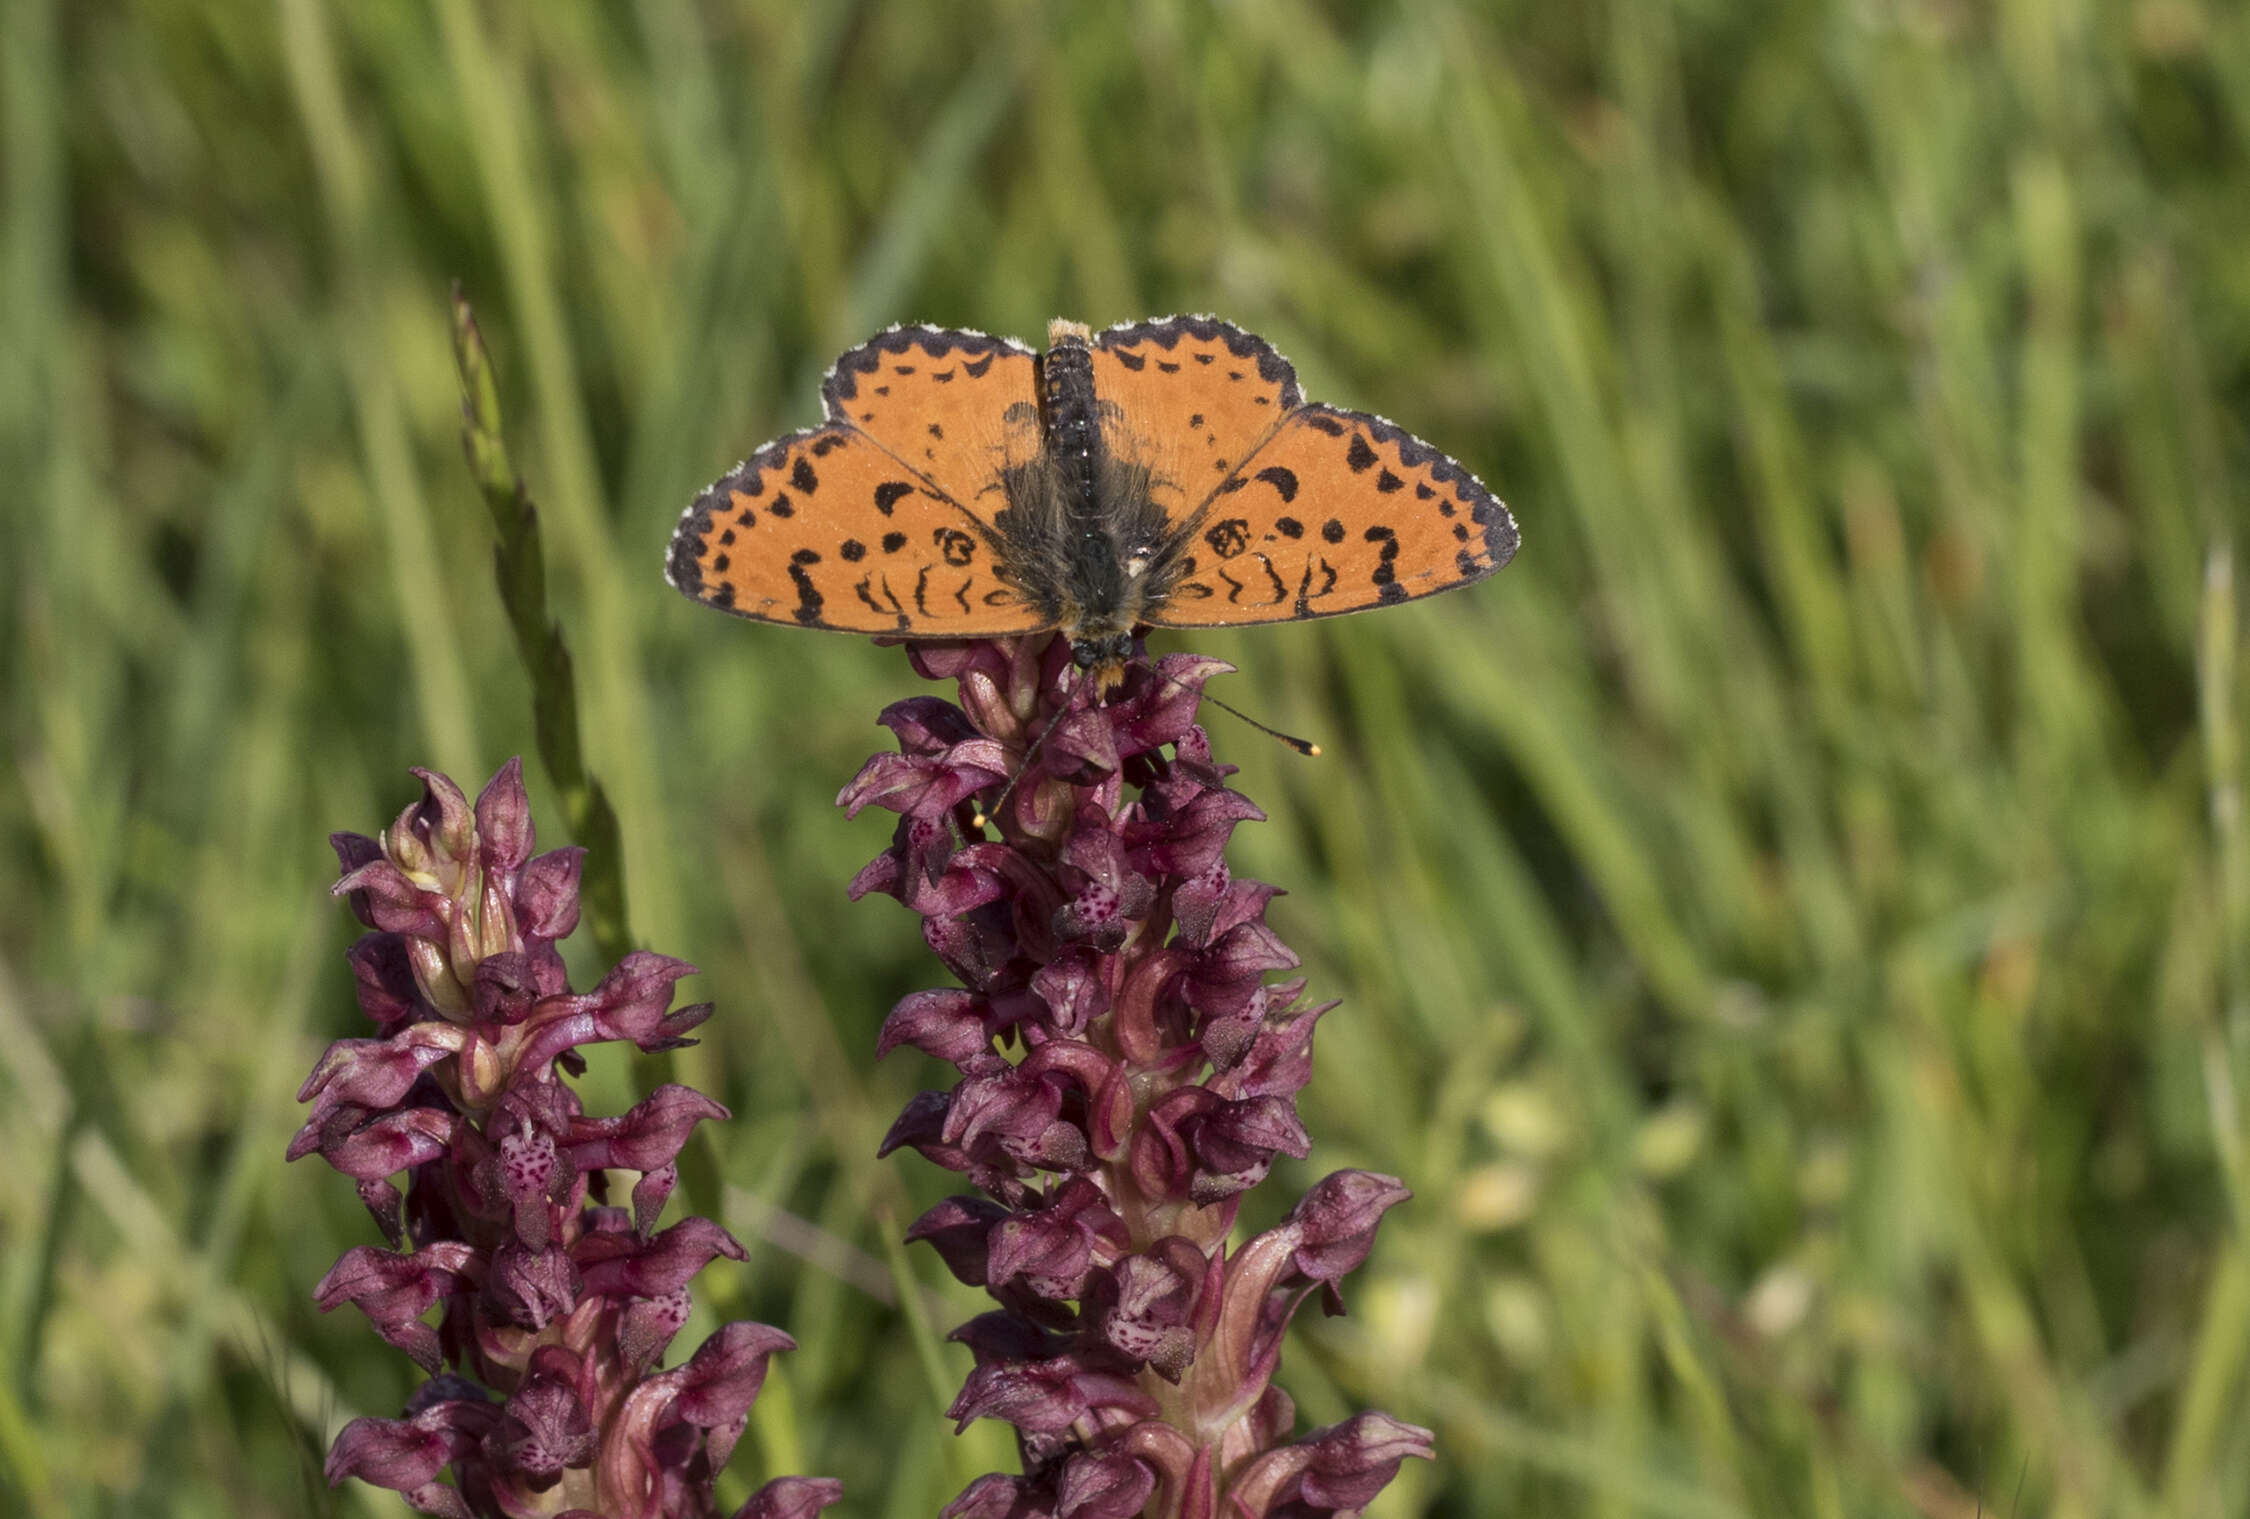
(1068,422)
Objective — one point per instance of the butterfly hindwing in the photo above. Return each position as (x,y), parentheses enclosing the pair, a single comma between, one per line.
(826,529)
(1336,512)
(953,405)
(1193,396)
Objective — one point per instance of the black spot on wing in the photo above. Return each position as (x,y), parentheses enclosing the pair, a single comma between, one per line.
(1282,480)
(1228,538)
(1385,576)
(1359,456)
(888,493)
(803,478)
(808,595)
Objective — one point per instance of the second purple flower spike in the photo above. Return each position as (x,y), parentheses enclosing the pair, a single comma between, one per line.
(546,1395)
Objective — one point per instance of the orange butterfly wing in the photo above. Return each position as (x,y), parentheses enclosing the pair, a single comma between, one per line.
(1193,397)
(1336,512)
(953,406)
(880,521)
(825,529)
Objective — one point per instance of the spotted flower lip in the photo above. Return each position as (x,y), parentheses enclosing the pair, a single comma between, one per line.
(1126,1071)
(554,1307)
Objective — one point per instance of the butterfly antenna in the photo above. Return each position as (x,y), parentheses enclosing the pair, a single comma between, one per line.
(1304,746)
(978,817)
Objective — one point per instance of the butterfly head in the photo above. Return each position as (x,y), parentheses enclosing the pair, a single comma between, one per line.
(1105,658)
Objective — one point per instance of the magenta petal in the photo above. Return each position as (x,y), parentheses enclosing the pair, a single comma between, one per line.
(628,1266)
(547,894)
(958,1227)
(925,787)
(407,1455)
(526,1159)
(442,817)
(503,815)
(999,1497)
(394,1291)
(388,992)
(1337,1219)
(791,1498)
(530,1287)
(389,1144)
(926,725)
(545,1427)
(1354,1461)
(385,899)
(648,1325)
(721,1380)
(947,1023)
(1043,1397)
(375,1073)
(648,1136)
(631,1000)
(1103,1485)
(1004,1337)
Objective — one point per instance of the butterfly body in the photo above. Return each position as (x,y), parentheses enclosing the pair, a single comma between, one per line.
(1082,538)
(1162,473)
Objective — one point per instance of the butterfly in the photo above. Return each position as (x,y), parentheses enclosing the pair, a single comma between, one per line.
(1163,473)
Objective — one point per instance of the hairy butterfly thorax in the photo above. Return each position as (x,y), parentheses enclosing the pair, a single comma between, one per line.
(1157,474)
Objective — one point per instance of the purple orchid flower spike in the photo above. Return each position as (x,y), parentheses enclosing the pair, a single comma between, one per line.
(1127,1071)
(554,1308)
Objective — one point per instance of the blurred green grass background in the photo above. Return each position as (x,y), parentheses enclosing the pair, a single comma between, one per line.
(1794,924)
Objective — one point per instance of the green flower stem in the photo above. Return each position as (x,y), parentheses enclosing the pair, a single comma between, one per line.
(519,566)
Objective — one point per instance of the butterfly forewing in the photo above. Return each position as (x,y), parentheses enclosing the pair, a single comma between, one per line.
(1336,512)
(826,529)
(954,406)
(1192,397)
